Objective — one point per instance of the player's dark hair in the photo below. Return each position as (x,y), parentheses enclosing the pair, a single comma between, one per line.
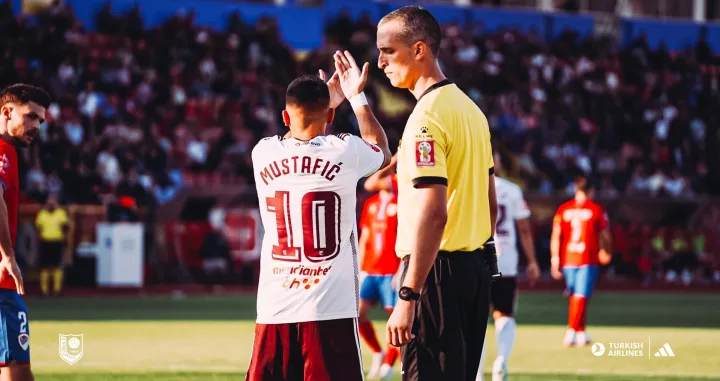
(23,94)
(584,184)
(309,93)
(418,25)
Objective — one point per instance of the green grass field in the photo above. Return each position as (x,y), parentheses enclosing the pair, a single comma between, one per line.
(210,337)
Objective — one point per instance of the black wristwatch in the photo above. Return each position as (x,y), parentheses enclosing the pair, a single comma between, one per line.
(406,293)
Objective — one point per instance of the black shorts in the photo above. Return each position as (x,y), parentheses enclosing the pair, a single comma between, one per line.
(450,320)
(502,295)
(51,255)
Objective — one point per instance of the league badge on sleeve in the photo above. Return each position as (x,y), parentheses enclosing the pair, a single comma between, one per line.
(24,341)
(425,153)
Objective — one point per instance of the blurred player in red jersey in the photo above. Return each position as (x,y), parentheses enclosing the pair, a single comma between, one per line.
(580,241)
(379,264)
(22,110)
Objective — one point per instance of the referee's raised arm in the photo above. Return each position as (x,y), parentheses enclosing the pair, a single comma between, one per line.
(446,208)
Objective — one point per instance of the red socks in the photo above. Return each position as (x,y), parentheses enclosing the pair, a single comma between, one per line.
(367,332)
(581,312)
(391,355)
(576,312)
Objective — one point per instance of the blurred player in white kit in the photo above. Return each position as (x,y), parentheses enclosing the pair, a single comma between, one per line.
(512,212)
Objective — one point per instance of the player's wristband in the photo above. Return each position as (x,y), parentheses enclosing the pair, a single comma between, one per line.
(555,261)
(358,100)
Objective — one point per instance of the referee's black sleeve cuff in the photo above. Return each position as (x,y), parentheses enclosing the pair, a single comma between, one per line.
(491,171)
(429,180)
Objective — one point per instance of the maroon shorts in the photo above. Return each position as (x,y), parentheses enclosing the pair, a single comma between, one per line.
(326,350)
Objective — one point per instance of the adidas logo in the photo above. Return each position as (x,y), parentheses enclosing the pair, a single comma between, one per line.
(665,351)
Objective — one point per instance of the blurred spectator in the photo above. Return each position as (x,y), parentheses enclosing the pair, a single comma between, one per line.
(217,262)
(682,260)
(704,248)
(136,109)
(36,182)
(204,97)
(131,187)
(659,252)
(639,242)
(623,258)
(124,210)
(108,166)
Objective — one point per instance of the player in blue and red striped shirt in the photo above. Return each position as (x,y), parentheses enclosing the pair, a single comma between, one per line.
(22,110)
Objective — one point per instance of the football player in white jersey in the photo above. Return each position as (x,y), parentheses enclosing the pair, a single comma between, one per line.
(306,182)
(512,211)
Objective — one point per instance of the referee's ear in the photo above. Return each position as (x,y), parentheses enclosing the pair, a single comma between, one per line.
(421,50)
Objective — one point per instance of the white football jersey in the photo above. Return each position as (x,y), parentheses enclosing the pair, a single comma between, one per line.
(307,197)
(511,207)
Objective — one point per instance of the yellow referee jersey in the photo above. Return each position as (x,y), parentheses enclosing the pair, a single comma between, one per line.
(51,224)
(446,141)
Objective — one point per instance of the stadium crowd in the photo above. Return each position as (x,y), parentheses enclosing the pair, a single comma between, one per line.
(134,108)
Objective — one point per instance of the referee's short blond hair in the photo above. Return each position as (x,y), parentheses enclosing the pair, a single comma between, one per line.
(418,25)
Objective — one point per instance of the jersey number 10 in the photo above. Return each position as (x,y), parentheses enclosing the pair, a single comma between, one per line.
(320,226)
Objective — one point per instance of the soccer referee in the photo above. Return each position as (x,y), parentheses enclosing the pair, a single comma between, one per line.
(446,208)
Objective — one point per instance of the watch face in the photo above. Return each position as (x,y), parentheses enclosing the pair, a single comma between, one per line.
(405,293)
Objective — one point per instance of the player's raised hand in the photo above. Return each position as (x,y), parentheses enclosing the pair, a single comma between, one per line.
(352,79)
(8,266)
(336,94)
